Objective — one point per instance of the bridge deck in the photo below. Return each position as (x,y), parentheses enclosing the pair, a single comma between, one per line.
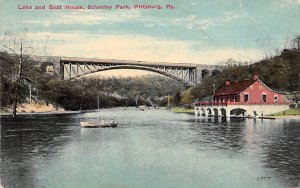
(127,62)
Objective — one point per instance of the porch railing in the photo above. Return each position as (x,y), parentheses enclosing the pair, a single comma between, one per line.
(210,103)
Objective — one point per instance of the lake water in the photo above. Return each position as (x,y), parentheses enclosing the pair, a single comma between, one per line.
(149,149)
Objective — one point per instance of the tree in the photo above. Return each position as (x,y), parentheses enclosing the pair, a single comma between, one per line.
(20,49)
(177,98)
(7,78)
(187,97)
(266,44)
(296,43)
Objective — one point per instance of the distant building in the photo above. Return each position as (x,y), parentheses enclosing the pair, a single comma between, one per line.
(248,97)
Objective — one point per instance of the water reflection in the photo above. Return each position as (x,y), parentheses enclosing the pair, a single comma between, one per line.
(282,152)
(275,142)
(220,133)
(28,139)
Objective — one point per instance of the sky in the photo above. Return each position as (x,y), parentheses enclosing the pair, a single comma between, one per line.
(196,31)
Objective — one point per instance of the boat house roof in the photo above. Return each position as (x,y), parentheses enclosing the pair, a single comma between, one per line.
(234,87)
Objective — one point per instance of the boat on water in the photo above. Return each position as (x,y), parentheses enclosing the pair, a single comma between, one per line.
(97,125)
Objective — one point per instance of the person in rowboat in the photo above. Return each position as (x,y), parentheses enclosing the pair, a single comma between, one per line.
(102,121)
(112,121)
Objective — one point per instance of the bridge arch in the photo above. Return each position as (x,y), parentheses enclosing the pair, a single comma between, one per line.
(215,72)
(205,73)
(136,67)
(185,76)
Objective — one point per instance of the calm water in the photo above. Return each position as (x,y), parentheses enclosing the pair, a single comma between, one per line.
(151,148)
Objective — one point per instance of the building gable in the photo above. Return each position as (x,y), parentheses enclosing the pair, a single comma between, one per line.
(258,92)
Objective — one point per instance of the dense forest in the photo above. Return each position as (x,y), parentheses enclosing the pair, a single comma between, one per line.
(280,72)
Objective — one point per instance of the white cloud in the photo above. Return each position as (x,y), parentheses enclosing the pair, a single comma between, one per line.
(87,18)
(286,3)
(195,22)
(145,48)
(189,26)
(150,25)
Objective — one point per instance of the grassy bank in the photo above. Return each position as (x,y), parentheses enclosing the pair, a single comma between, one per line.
(33,108)
(289,112)
(183,110)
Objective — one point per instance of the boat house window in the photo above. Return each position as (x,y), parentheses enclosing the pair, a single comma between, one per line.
(264,98)
(237,98)
(275,98)
(246,97)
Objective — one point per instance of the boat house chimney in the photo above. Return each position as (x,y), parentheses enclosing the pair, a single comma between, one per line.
(255,77)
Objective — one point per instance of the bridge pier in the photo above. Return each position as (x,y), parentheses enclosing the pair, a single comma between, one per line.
(198,75)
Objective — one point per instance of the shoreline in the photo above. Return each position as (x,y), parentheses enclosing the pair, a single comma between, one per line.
(40,113)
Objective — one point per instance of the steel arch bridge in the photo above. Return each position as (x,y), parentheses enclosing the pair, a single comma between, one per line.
(189,74)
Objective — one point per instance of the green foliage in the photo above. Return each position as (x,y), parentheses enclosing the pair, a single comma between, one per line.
(187,97)
(206,88)
(176,99)
(8,78)
(145,87)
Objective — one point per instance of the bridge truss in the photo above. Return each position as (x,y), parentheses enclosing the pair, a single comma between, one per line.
(72,68)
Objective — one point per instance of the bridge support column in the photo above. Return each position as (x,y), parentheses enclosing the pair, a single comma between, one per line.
(198,75)
(61,69)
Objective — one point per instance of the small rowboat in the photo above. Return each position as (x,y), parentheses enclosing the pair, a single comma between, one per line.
(97,125)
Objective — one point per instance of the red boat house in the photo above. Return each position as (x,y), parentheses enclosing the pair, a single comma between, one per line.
(244,98)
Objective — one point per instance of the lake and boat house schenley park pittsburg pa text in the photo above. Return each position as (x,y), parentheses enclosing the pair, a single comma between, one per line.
(56,7)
